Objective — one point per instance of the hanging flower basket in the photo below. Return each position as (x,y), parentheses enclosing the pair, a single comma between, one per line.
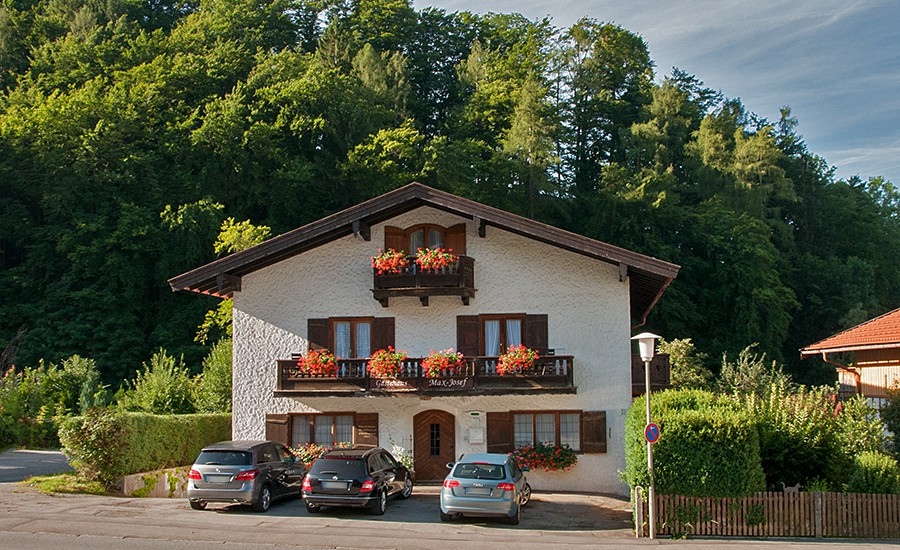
(318,363)
(385,363)
(435,259)
(516,360)
(446,362)
(390,261)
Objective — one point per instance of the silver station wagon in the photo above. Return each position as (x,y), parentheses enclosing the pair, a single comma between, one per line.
(244,472)
(485,484)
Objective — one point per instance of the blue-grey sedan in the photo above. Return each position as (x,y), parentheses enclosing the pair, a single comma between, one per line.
(485,485)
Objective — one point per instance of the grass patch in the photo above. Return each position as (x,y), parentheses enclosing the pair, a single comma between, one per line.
(65,483)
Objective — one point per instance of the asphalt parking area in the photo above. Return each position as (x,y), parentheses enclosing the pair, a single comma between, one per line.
(545,512)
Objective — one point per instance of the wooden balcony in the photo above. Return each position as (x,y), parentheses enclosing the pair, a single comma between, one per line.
(659,374)
(456,280)
(552,374)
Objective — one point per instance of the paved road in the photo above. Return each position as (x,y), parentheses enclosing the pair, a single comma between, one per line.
(16,465)
(33,521)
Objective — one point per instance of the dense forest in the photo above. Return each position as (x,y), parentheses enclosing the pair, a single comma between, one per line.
(130,130)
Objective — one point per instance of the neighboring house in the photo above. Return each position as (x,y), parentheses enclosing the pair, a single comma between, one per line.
(572,298)
(867,357)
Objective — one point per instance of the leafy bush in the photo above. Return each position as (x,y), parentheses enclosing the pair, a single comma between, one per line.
(708,447)
(213,386)
(687,369)
(106,444)
(164,387)
(32,399)
(874,472)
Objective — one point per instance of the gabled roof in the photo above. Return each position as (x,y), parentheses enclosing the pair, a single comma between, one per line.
(649,276)
(880,332)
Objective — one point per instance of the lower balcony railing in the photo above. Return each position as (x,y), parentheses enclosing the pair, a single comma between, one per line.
(550,374)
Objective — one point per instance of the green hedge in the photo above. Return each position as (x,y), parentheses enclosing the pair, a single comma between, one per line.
(874,473)
(105,445)
(708,446)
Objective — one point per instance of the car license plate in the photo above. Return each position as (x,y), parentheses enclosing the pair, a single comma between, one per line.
(478,491)
(218,478)
(334,485)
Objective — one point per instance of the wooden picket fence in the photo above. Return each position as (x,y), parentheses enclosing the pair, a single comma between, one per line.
(775,515)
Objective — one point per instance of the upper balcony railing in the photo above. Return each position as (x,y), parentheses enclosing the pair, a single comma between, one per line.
(550,374)
(457,279)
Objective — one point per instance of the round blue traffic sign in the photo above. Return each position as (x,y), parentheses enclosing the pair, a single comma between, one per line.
(651,433)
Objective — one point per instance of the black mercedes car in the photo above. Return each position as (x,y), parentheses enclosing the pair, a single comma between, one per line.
(358,478)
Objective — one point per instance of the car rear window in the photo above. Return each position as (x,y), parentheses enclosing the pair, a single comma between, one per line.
(338,466)
(225,458)
(479,471)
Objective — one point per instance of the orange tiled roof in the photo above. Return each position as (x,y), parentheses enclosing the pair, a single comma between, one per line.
(880,332)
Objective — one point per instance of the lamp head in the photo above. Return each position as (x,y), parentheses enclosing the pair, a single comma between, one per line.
(646,343)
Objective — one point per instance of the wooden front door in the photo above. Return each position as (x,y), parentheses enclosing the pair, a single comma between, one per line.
(434,434)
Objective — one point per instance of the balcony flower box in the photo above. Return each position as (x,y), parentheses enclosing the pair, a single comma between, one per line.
(516,360)
(440,364)
(385,363)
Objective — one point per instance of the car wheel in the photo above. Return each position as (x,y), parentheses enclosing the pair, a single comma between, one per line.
(198,505)
(313,508)
(264,501)
(525,497)
(380,504)
(446,517)
(407,488)
(514,519)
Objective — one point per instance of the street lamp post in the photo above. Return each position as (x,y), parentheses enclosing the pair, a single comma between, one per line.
(646,342)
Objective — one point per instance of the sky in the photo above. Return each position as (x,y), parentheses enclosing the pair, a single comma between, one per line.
(835,63)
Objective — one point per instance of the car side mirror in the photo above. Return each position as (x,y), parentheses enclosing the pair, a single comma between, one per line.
(525,469)
(450,465)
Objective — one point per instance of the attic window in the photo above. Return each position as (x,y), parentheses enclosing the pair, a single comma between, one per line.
(418,236)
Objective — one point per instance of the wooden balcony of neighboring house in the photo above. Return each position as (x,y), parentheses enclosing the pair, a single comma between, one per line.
(551,374)
(659,374)
(455,280)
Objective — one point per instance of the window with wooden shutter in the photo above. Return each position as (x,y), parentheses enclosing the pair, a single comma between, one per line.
(426,236)
(555,428)
(277,428)
(382,333)
(468,330)
(317,332)
(536,336)
(499,432)
(328,428)
(593,428)
(395,238)
(456,239)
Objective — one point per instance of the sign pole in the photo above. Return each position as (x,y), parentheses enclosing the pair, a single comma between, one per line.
(651,516)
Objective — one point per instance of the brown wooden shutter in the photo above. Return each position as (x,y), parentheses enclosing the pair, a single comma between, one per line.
(593,431)
(456,239)
(395,238)
(365,429)
(467,335)
(536,333)
(382,333)
(277,428)
(499,432)
(317,332)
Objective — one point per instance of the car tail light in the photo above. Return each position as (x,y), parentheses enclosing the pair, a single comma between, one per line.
(306,485)
(451,483)
(367,486)
(194,474)
(507,486)
(247,475)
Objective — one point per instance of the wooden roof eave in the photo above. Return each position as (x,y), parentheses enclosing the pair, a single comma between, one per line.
(649,275)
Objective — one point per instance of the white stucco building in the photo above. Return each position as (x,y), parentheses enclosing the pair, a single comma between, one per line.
(573,299)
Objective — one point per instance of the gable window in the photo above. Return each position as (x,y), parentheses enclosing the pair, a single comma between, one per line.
(418,236)
(351,337)
(491,334)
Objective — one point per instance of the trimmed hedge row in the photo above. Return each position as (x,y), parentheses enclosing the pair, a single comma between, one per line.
(709,447)
(105,445)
